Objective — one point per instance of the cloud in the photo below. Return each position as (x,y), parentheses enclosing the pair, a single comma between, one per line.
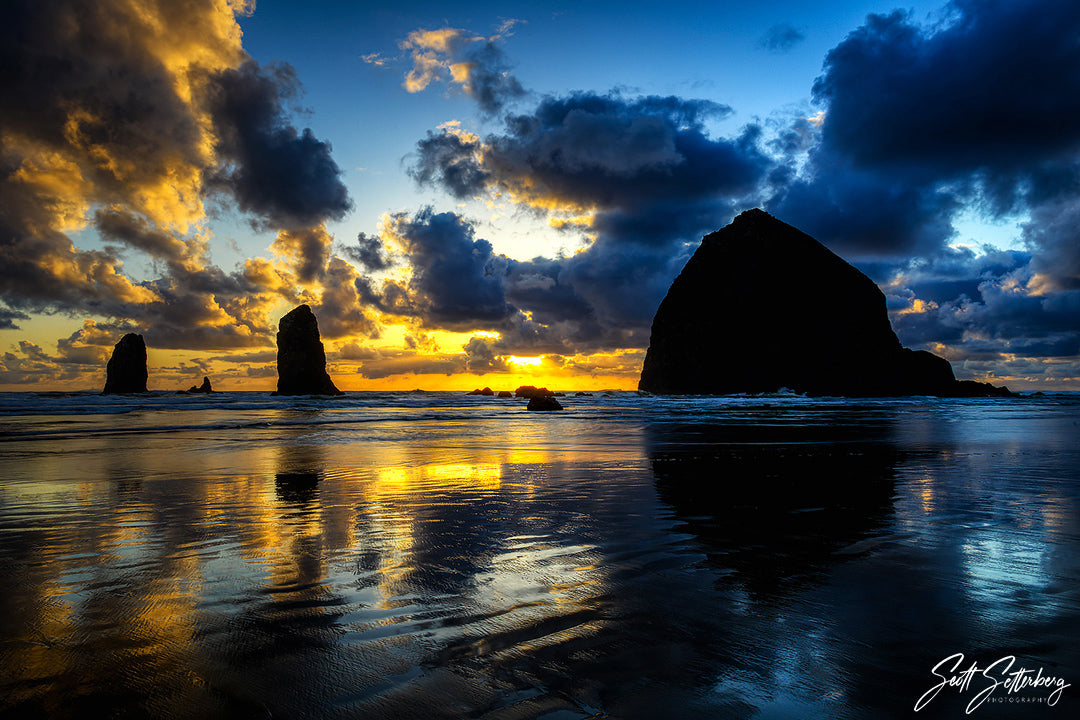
(996,91)
(308,249)
(453,160)
(127,118)
(455,280)
(73,360)
(645,174)
(407,363)
(985,310)
(369,253)
(781,38)
(595,151)
(475,64)
(862,214)
(341,308)
(921,121)
(8,318)
(481,358)
(120,226)
(1054,232)
(287,178)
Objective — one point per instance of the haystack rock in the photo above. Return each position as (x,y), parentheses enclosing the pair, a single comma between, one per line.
(301,359)
(126,371)
(762,306)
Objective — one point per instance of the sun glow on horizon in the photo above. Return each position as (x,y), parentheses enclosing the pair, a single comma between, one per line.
(516,360)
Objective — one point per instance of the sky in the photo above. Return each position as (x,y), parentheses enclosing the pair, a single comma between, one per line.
(497,194)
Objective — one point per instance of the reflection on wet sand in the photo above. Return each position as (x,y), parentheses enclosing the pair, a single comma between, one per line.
(770,562)
(777,505)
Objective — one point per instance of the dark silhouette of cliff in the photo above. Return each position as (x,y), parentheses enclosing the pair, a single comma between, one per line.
(301,359)
(126,371)
(762,306)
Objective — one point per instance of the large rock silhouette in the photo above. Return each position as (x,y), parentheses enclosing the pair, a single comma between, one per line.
(126,371)
(762,306)
(301,359)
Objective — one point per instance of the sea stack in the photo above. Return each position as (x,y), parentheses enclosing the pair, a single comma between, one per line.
(126,371)
(762,306)
(301,359)
(206,387)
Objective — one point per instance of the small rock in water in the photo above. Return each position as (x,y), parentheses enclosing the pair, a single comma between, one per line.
(531,391)
(544,402)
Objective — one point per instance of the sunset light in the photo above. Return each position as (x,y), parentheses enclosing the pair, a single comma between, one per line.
(383,360)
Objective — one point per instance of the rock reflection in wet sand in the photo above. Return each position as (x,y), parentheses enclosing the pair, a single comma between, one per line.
(770,563)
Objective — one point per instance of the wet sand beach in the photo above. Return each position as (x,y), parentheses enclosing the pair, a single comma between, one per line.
(435,555)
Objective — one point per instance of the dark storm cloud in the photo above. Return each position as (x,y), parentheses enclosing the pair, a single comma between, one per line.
(594,300)
(456,279)
(80,98)
(118,225)
(541,286)
(340,308)
(74,75)
(129,115)
(307,248)
(863,214)
(920,121)
(369,253)
(647,171)
(983,303)
(285,177)
(997,89)
(1054,232)
(481,358)
(450,159)
(597,151)
(781,38)
(489,81)
(8,318)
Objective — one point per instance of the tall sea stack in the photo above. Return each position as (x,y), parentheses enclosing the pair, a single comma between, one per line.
(301,359)
(762,306)
(126,371)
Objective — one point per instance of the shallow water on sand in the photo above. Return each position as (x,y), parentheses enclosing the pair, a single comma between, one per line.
(435,555)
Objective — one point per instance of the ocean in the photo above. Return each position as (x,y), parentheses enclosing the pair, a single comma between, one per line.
(439,555)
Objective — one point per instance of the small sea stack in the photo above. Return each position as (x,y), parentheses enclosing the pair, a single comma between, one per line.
(126,371)
(762,306)
(204,388)
(301,358)
(531,391)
